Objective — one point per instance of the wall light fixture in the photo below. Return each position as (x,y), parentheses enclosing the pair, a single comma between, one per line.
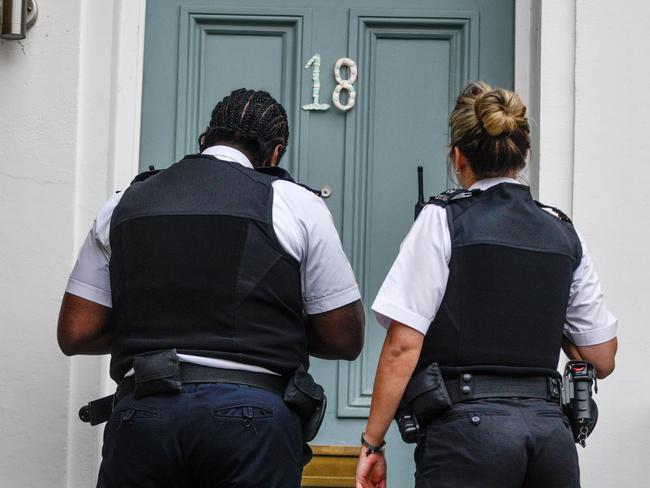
(16,17)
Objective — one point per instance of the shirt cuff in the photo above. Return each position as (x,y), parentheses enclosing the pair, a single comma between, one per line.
(331,302)
(593,337)
(89,292)
(386,312)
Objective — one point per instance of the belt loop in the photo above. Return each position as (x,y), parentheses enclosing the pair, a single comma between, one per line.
(465,384)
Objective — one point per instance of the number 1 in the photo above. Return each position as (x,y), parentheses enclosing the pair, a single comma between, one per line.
(314,63)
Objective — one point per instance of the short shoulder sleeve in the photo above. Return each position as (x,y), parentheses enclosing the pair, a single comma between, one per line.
(90,277)
(305,229)
(588,320)
(415,285)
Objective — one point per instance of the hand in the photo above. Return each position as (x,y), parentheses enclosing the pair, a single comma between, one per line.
(371,470)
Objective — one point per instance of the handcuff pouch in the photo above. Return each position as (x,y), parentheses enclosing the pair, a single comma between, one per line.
(307,398)
(426,394)
(157,372)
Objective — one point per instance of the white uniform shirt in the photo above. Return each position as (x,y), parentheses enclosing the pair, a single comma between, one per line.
(415,286)
(302,223)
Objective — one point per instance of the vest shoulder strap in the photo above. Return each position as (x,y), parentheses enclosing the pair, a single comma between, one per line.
(558,213)
(283,174)
(452,195)
(146,174)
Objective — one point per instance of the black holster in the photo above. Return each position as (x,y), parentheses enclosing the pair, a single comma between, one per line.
(425,397)
(307,398)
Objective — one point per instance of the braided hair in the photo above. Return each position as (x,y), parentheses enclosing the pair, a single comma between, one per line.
(252,120)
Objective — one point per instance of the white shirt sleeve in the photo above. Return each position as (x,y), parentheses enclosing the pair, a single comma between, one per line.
(90,276)
(588,321)
(305,229)
(415,285)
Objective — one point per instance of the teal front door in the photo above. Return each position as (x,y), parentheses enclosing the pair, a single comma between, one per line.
(411,58)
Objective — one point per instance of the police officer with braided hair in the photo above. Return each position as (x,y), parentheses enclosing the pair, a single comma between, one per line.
(486,289)
(210,283)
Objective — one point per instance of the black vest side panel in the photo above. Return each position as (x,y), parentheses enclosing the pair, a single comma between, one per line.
(511,270)
(196,266)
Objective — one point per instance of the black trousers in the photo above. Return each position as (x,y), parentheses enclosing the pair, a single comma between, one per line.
(210,435)
(498,443)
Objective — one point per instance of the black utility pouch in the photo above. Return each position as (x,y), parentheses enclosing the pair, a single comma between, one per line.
(307,398)
(157,372)
(426,394)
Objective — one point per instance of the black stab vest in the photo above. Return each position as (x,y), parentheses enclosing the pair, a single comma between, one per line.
(510,274)
(196,266)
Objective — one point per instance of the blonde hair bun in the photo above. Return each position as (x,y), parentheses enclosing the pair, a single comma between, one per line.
(490,127)
(500,111)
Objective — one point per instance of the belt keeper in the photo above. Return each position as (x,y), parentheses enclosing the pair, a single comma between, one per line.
(554,389)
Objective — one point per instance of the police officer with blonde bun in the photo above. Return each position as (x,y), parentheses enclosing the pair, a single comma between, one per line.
(487,288)
(210,283)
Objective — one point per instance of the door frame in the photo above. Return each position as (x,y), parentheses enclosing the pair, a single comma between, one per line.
(551,27)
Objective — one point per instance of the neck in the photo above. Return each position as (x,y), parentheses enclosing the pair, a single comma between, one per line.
(471,178)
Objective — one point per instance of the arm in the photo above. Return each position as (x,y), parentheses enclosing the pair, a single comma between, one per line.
(397,361)
(84,319)
(600,355)
(84,326)
(338,333)
(590,329)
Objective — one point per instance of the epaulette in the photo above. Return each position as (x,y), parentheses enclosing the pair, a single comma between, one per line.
(559,213)
(451,195)
(283,174)
(146,174)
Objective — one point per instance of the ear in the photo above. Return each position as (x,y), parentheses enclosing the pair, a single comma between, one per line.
(274,157)
(461,164)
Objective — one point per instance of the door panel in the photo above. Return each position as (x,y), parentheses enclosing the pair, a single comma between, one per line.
(212,44)
(412,60)
(416,63)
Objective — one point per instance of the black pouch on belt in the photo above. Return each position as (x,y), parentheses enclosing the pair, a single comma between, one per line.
(426,394)
(157,372)
(307,398)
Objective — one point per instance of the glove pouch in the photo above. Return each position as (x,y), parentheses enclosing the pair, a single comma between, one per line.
(157,372)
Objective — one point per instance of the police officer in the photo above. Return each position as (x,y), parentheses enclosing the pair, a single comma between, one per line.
(488,284)
(210,283)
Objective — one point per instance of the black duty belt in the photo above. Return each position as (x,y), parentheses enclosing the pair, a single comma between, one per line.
(196,373)
(468,387)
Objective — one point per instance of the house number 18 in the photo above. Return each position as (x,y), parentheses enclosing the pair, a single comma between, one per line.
(342,84)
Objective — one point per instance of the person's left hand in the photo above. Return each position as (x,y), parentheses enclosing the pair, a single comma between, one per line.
(371,470)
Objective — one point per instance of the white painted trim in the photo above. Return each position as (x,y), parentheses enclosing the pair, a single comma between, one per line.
(556,124)
(126,90)
(527,77)
(126,108)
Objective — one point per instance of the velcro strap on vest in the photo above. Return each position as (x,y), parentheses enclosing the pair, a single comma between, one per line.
(472,387)
(195,373)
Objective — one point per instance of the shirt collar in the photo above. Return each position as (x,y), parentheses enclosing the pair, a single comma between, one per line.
(486,183)
(228,153)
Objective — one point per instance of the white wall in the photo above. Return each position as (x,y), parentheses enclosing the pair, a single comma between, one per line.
(69,106)
(38,124)
(611,208)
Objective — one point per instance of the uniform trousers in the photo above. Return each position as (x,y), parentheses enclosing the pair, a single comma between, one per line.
(210,435)
(498,443)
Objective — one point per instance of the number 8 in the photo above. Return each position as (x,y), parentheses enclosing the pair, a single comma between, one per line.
(344,84)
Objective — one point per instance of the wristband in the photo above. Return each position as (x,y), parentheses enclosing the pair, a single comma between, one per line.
(372,449)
